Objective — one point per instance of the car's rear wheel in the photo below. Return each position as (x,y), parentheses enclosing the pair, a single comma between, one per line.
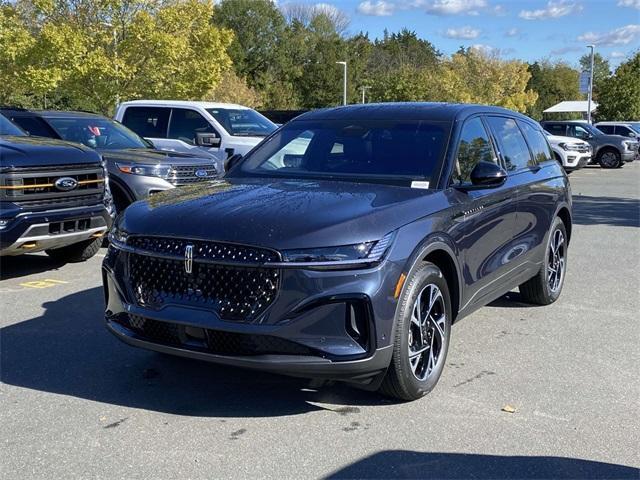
(546,286)
(609,158)
(422,331)
(76,252)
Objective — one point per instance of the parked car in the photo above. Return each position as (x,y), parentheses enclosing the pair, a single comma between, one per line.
(610,151)
(350,256)
(221,129)
(624,129)
(136,168)
(572,153)
(53,197)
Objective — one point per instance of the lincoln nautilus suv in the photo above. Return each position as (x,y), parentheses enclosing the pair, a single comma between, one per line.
(346,244)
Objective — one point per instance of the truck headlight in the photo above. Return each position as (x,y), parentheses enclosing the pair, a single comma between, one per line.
(365,252)
(569,147)
(161,171)
(629,145)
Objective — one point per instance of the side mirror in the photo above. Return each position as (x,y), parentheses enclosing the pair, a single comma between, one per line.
(486,175)
(232,161)
(207,140)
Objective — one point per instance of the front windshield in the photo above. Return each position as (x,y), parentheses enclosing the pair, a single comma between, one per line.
(243,122)
(591,129)
(635,126)
(96,132)
(361,150)
(8,128)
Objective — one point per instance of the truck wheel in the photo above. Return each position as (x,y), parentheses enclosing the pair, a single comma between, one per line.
(423,328)
(77,252)
(546,286)
(609,158)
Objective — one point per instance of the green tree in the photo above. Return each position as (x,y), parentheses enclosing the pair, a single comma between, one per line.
(620,94)
(554,83)
(83,54)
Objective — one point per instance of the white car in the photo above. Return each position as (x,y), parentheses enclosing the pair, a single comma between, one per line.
(220,129)
(572,153)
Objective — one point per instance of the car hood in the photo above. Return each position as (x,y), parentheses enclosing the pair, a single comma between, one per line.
(556,139)
(154,157)
(24,151)
(281,214)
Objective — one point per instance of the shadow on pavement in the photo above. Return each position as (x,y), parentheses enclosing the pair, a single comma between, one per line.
(615,211)
(409,464)
(22,265)
(68,351)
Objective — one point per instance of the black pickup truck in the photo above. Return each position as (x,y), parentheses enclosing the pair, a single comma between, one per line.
(54,196)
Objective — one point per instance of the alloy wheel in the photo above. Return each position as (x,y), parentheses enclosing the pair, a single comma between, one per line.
(609,159)
(556,261)
(427,332)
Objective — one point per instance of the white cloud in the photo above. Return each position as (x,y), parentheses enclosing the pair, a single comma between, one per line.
(619,36)
(465,33)
(378,8)
(512,32)
(629,3)
(492,51)
(553,9)
(455,7)
(617,55)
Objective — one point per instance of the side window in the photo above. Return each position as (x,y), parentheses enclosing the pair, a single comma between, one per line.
(147,121)
(186,123)
(537,142)
(512,144)
(474,147)
(555,129)
(608,129)
(35,126)
(624,131)
(578,132)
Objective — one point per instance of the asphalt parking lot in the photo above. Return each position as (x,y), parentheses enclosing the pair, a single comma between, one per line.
(76,403)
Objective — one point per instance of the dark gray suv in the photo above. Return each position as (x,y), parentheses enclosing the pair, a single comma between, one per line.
(610,151)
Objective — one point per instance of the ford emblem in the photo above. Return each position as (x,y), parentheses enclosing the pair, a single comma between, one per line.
(201,173)
(66,184)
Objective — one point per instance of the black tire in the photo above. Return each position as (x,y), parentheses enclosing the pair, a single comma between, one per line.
(400,381)
(77,252)
(537,290)
(609,158)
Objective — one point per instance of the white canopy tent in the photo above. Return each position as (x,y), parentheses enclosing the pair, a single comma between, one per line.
(575,106)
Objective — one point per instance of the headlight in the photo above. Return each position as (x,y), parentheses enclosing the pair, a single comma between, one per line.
(161,171)
(569,147)
(366,252)
(629,145)
(117,236)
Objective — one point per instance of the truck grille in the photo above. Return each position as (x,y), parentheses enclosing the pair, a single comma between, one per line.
(35,187)
(582,148)
(188,174)
(213,341)
(226,279)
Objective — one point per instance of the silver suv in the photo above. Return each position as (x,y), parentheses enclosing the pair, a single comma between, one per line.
(610,151)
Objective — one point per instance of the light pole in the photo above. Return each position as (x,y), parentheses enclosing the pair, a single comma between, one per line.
(364,89)
(115,57)
(344,83)
(590,94)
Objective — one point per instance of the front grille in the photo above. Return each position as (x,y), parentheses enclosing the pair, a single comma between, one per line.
(31,184)
(582,148)
(241,291)
(212,341)
(186,174)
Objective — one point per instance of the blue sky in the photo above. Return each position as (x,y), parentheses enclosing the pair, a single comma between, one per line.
(528,30)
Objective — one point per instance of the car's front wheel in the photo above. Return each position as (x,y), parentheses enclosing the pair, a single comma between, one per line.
(610,158)
(76,252)
(423,328)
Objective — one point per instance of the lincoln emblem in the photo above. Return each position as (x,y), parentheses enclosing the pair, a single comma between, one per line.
(188,258)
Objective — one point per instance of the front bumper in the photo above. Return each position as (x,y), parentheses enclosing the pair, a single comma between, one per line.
(306,329)
(575,161)
(37,231)
(629,156)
